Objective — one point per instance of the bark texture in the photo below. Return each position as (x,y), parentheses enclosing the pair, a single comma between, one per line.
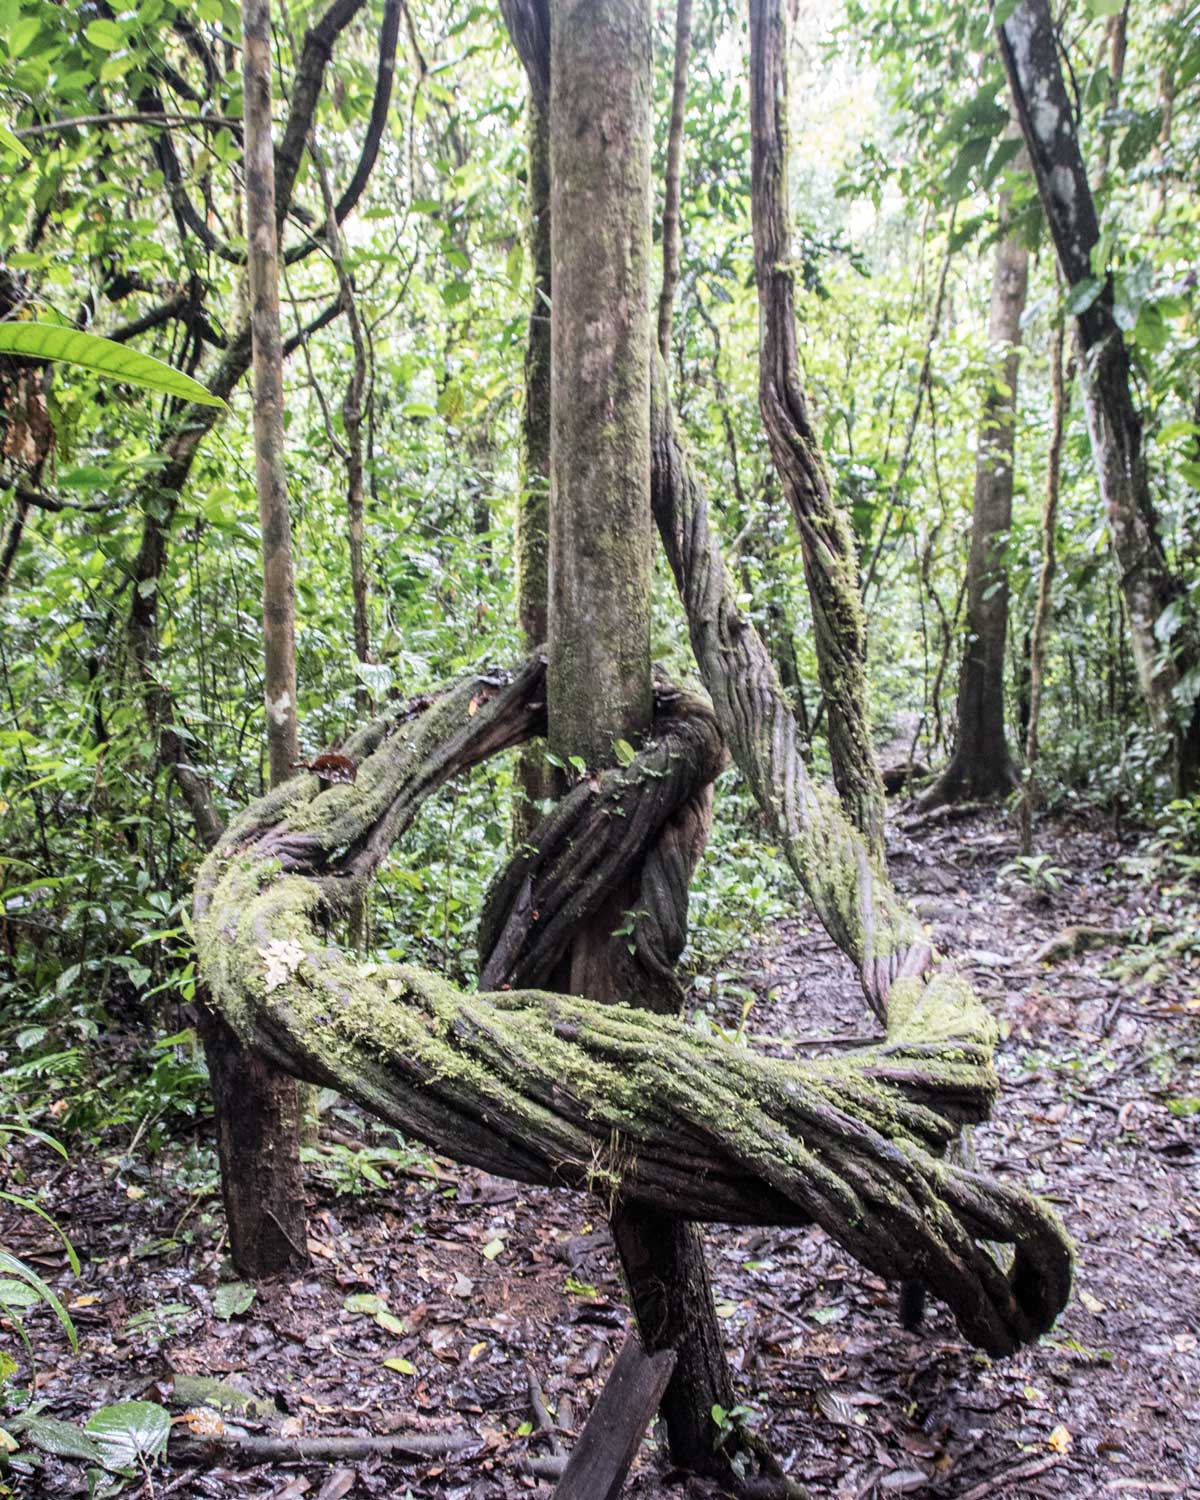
(257,1105)
(262,253)
(355,400)
(634,1106)
(600,105)
(981,766)
(671,222)
(601,535)
(1149,586)
(528,23)
(1043,610)
(830,563)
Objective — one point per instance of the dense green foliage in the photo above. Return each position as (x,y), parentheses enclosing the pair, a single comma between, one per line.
(900,151)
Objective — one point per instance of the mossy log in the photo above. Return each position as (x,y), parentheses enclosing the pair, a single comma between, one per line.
(621,1102)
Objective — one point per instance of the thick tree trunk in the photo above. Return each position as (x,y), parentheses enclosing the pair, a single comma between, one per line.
(1029,48)
(830,561)
(981,766)
(599,689)
(257,1106)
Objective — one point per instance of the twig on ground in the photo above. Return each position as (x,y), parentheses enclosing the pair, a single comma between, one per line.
(1010,1476)
(541,1414)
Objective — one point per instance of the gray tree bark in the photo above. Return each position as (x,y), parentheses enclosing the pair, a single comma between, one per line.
(257,1106)
(598,674)
(671,225)
(528,22)
(262,254)
(981,766)
(1044,609)
(1149,587)
(830,560)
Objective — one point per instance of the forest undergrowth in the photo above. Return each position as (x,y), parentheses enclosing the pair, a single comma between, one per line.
(439,1299)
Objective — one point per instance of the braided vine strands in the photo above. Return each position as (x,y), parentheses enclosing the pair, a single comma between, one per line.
(845,881)
(650,826)
(827,546)
(622,1102)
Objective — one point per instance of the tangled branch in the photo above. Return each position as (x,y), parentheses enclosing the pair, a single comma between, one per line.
(631,1105)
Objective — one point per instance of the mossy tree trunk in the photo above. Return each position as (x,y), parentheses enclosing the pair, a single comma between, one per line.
(257,1105)
(981,766)
(599,684)
(830,560)
(1163,632)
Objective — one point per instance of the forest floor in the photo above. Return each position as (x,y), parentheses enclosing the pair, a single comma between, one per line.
(469,1285)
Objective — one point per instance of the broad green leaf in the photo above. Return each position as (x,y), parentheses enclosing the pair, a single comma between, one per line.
(364,1302)
(103,357)
(1189,472)
(18,1269)
(1083,294)
(970,156)
(1177,429)
(1169,622)
(1150,332)
(1106,7)
(13,143)
(203,1390)
(401,1366)
(624,752)
(106,35)
(22,34)
(377,676)
(130,1433)
(59,1439)
(231,1299)
(17,1294)
(1139,138)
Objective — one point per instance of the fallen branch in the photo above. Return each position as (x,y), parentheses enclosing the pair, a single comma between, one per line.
(1019,1471)
(1072,941)
(336,1447)
(601,1459)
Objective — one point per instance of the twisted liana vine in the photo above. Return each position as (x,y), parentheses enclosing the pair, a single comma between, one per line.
(628,1104)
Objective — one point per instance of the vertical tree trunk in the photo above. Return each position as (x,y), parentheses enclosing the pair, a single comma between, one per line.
(262,253)
(1029,48)
(1116,37)
(671,228)
(528,22)
(830,562)
(1044,607)
(981,765)
(355,398)
(257,1107)
(599,687)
